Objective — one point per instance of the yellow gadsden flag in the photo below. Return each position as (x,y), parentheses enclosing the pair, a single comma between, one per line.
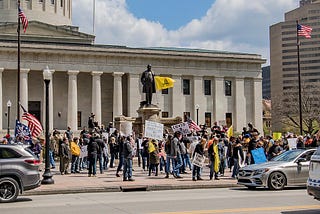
(230,131)
(163,82)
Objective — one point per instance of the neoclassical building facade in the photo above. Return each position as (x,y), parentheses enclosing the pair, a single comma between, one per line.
(104,79)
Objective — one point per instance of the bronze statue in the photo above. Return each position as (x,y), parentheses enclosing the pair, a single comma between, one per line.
(147,80)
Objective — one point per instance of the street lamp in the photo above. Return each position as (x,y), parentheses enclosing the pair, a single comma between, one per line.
(9,106)
(197,108)
(47,175)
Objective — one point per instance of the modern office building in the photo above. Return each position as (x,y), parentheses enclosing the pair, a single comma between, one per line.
(105,79)
(266,85)
(284,57)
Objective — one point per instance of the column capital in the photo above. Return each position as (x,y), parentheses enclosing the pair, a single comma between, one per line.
(73,72)
(96,73)
(24,70)
(117,74)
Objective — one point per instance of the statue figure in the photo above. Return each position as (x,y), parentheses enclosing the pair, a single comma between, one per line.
(147,80)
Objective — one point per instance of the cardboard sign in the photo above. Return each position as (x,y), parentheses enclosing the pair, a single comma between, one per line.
(181,127)
(198,160)
(153,130)
(126,128)
(259,155)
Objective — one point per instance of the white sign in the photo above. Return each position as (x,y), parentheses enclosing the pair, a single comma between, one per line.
(198,160)
(292,142)
(126,128)
(181,127)
(153,130)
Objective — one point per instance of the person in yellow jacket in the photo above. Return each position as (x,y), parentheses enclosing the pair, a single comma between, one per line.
(214,158)
(75,152)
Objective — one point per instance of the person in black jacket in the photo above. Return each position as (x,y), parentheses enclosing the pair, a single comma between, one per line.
(237,157)
(199,149)
(127,157)
(93,148)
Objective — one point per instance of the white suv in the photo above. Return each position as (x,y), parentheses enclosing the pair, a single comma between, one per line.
(313,184)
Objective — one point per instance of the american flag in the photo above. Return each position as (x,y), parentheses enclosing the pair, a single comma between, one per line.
(22,130)
(33,123)
(304,31)
(193,125)
(23,19)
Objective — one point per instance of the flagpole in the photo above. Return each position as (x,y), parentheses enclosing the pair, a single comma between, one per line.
(299,80)
(93,15)
(18,77)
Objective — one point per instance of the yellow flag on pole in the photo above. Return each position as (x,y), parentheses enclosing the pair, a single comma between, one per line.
(230,131)
(163,82)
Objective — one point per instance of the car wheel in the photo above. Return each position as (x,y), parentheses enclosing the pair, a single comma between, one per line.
(9,190)
(276,181)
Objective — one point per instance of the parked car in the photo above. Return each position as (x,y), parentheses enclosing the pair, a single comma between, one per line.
(288,169)
(313,184)
(19,171)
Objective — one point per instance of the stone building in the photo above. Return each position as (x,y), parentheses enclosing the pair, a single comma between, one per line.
(105,80)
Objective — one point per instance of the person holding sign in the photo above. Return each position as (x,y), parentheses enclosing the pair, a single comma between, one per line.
(198,152)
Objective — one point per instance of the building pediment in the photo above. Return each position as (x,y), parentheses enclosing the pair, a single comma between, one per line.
(42,32)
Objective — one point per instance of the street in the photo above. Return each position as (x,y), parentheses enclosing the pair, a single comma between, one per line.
(198,201)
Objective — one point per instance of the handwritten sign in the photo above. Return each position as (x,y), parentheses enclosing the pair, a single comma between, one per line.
(198,160)
(153,130)
(181,127)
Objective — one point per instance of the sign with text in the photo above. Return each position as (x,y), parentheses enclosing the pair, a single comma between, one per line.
(181,127)
(198,160)
(126,128)
(153,130)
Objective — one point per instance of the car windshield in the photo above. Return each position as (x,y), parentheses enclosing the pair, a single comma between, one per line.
(288,155)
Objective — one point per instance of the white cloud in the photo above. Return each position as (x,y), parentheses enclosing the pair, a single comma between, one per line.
(229,25)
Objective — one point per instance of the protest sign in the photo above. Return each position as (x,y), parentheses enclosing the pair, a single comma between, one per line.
(126,128)
(258,155)
(198,160)
(292,142)
(153,130)
(181,127)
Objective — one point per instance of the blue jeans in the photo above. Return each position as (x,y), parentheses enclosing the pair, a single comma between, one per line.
(236,167)
(196,171)
(92,164)
(145,161)
(187,161)
(127,168)
(100,159)
(112,157)
(74,164)
(53,164)
(168,161)
(177,165)
(212,172)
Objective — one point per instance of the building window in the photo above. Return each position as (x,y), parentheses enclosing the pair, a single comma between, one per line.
(227,87)
(79,119)
(61,3)
(186,115)
(165,91)
(207,87)
(186,87)
(207,118)
(165,114)
(228,119)
(52,1)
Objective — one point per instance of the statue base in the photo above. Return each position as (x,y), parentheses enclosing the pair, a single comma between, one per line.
(149,112)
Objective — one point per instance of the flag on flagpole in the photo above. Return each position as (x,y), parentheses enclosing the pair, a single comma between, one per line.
(33,123)
(193,125)
(304,31)
(23,18)
(163,82)
(230,132)
(23,131)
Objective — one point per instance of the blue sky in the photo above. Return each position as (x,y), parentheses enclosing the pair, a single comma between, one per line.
(226,25)
(171,13)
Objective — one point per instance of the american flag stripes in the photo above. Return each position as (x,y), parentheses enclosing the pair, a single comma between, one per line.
(193,125)
(304,31)
(23,19)
(33,123)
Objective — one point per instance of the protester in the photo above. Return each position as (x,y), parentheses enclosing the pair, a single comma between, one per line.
(199,149)
(127,158)
(153,157)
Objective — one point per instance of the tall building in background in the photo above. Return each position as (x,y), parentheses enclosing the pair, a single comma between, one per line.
(283,54)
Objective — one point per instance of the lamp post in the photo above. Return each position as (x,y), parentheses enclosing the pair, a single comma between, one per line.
(47,175)
(8,106)
(197,108)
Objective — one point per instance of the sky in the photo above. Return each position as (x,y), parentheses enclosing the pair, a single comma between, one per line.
(226,25)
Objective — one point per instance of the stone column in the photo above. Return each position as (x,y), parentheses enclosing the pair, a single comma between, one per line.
(117,93)
(50,103)
(240,105)
(1,70)
(219,109)
(257,104)
(198,95)
(96,95)
(72,100)
(24,89)
(134,94)
(176,103)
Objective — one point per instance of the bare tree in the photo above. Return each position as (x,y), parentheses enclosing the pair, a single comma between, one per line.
(288,108)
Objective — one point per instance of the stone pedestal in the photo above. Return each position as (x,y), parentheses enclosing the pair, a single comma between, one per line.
(151,112)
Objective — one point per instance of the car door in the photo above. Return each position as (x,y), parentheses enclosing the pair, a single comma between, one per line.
(302,168)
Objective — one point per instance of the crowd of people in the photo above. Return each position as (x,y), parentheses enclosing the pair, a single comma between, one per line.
(97,148)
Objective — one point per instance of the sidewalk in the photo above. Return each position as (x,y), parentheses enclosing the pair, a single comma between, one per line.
(108,182)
